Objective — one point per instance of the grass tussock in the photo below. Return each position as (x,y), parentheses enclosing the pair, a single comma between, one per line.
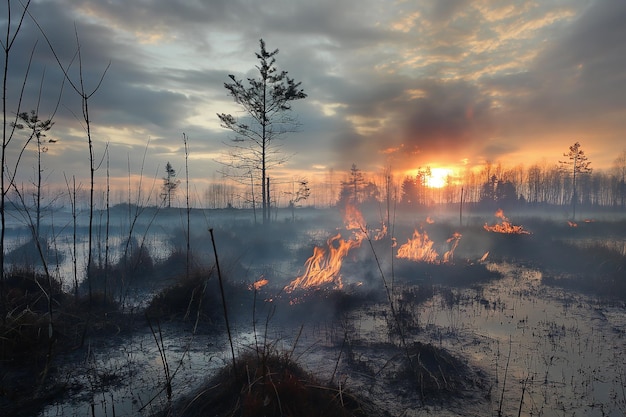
(197,297)
(438,375)
(39,322)
(267,385)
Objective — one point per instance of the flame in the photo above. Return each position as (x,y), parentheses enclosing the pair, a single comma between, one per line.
(353,220)
(572,224)
(429,220)
(484,257)
(324,266)
(419,248)
(381,233)
(454,240)
(258,284)
(505,226)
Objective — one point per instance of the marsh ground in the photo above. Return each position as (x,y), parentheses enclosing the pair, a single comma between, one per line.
(534,329)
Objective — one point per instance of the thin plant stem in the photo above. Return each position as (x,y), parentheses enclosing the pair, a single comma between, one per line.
(506,371)
(219,277)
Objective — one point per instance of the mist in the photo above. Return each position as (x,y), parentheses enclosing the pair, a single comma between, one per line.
(508,306)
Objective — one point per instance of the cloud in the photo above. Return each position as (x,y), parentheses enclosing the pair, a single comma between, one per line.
(387,82)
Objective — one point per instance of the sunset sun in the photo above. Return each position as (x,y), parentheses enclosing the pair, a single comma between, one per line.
(438,177)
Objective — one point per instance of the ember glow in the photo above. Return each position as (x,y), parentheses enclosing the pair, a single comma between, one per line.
(505,226)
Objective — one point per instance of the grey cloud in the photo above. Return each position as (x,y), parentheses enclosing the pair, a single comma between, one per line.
(577,81)
(346,55)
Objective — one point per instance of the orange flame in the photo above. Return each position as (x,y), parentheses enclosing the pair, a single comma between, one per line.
(572,224)
(258,284)
(323,268)
(353,219)
(505,226)
(381,233)
(420,248)
(454,240)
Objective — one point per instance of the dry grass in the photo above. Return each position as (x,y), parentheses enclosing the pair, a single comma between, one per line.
(267,385)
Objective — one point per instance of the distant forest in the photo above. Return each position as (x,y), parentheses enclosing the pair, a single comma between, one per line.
(492,185)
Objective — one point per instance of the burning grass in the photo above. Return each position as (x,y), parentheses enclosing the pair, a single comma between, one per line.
(505,226)
(324,266)
(267,384)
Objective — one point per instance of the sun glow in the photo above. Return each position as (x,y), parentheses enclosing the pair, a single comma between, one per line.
(438,177)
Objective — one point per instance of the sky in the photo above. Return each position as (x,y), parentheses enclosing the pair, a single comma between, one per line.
(401,84)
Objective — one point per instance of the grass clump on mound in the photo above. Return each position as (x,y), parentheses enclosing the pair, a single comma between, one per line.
(437,374)
(267,385)
(197,297)
(39,322)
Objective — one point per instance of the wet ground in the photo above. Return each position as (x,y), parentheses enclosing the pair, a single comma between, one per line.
(533,350)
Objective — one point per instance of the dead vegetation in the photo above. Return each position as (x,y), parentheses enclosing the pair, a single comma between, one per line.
(438,375)
(268,385)
(39,322)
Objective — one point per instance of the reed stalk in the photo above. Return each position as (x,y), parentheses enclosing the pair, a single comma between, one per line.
(219,277)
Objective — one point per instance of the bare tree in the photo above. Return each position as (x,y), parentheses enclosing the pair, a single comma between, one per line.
(266,101)
(577,164)
(85,95)
(8,42)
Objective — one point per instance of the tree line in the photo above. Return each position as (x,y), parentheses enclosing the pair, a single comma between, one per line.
(571,181)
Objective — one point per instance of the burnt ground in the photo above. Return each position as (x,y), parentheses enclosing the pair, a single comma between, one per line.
(42,323)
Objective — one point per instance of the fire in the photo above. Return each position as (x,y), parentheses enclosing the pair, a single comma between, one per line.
(454,241)
(505,226)
(353,220)
(420,248)
(258,284)
(572,224)
(323,268)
